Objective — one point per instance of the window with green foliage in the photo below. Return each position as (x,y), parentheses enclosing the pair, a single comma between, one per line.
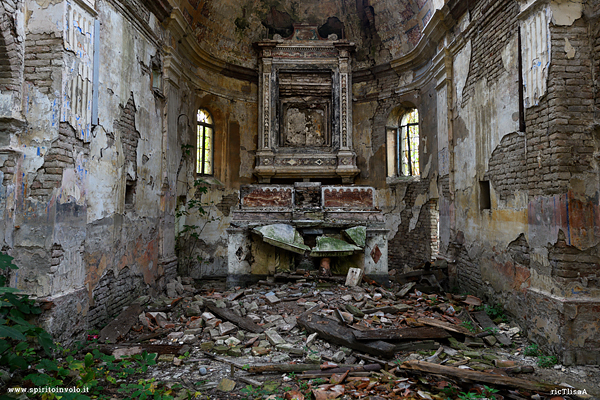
(403,146)
(204,143)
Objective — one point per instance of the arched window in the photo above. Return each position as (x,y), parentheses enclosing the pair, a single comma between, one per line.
(204,143)
(403,146)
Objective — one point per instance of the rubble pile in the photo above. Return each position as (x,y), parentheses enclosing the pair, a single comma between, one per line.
(316,339)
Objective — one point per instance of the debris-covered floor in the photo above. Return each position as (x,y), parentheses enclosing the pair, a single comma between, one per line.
(302,338)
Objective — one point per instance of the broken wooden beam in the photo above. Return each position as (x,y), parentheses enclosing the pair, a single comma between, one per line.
(347,368)
(242,322)
(139,348)
(283,368)
(421,332)
(119,326)
(446,325)
(415,346)
(477,376)
(336,333)
(486,323)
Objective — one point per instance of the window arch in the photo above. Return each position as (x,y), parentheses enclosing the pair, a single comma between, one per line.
(403,145)
(205,143)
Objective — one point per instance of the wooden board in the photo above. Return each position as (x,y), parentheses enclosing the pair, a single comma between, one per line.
(422,332)
(477,376)
(119,326)
(336,333)
(445,325)
(486,322)
(242,322)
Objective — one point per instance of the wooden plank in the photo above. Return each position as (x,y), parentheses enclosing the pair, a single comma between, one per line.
(422,332)
(445,325)
(486,323)
(119,326)
(150,348)
(242,322)
(258,369)
(336,333)
(415,346)
(477,376)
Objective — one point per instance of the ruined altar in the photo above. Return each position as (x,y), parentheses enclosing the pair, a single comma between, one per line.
(305,211)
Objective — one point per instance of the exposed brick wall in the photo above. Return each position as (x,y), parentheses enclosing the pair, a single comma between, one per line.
(231,200)
(468,273)
(496,24)
(570,264)
(113,293)
(507,171)
(129,136)
(413,247)
(43,55)
(8,168)
(11,52)
(559,140)
(61,155)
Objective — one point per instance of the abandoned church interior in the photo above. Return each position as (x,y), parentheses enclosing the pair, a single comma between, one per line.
(145,140)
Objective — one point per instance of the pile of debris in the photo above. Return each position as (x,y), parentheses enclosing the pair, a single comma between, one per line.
(315,339)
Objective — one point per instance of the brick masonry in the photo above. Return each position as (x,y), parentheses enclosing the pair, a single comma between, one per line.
(61,155)
(496,25)
(11,51)
(43,60)
(507,171)
(558,129)
(113,293)
(412,247)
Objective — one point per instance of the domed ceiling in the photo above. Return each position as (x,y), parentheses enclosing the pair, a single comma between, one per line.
(381,29)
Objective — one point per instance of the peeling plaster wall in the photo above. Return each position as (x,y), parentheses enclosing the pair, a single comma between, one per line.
(70,219)
(536,245)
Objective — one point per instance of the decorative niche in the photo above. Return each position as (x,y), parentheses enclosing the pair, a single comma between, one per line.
(305,110)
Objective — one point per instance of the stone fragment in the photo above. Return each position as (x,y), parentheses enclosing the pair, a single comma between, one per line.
(289,348)
(226,385)
(166,358)
(193,310)
(221,349)
(354,277)
(226,327)
(280,358)
(189,339)
(175,336)
(196,324)
(338,356)
(206,316)
(311,338)
(274,338)
(207,346)
(272,298)
(177,361)
(347,297)
(231,342)
(260,351)
(313,358)
(273,318)
(235,352)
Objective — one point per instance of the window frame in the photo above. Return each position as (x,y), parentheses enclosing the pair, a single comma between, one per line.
(200,149)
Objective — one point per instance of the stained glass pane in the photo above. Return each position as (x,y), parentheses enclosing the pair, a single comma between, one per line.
(204,116)
(208,150)
(199,147)
(409,144)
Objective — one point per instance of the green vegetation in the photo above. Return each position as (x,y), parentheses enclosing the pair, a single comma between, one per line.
(37,362)
(469,325)
(543,361)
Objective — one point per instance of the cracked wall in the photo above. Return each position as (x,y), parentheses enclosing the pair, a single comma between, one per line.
(537,242)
